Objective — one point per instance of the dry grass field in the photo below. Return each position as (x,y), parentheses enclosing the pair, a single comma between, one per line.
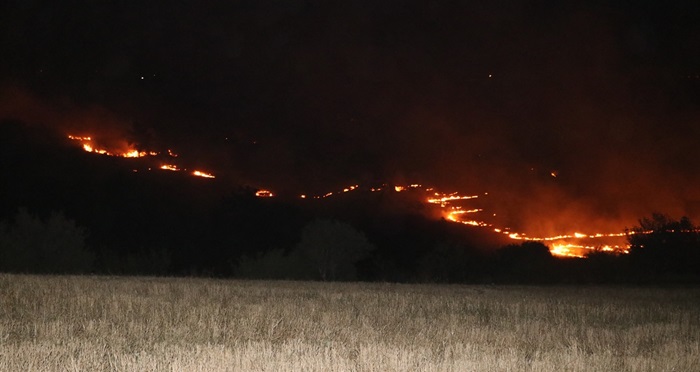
(64,323)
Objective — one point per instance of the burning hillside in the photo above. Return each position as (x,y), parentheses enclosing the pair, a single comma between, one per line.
(475,210)
(126,150)
(455,207)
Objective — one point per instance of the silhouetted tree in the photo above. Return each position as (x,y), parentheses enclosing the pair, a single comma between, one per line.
(662,246)
(333,247)
(56,245)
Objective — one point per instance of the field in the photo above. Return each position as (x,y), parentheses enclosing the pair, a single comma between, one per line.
(64,323)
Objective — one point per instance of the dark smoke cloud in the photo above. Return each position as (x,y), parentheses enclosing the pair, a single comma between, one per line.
(309,96)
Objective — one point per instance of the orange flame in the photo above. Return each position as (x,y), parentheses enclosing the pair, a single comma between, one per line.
(128,152)
(264,193)
(202,174)
(170,167)
(566,245)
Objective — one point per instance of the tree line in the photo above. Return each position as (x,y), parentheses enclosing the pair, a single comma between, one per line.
(662,251)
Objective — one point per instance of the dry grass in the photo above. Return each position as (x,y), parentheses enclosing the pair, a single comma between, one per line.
(164,324)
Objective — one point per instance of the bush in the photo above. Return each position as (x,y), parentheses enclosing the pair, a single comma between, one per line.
(664,248)
(529,262)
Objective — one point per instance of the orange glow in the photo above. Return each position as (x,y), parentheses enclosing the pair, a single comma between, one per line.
(576,244)
(125,151)
(565,250)
(202,174)
(446,198)
(264,194)
(170,167)
(79,138)
(133,154)
(452,206)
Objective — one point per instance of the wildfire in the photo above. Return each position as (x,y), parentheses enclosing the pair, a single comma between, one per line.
(79,138)
(576,244)
(577,250)
(264,193)
(127,151)
(170,167)
(399,188)
(444,199)
(202,174)
(89,145)
(567,245)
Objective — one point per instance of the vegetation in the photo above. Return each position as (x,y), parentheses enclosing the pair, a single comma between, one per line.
(50,323)
(662,251)
(333,248)
(53,219)
(666,249)
(55,245)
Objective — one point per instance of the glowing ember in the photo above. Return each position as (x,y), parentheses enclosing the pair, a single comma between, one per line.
(170,167)
(202,174)
(79,138)
(134,154)
(264,194)
(444,199)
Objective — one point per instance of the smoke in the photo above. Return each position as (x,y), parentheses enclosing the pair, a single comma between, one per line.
(63,117)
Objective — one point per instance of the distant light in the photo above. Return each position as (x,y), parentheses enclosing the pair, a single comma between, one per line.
(490,75)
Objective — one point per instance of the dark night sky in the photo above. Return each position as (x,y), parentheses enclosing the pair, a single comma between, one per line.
(312,95)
